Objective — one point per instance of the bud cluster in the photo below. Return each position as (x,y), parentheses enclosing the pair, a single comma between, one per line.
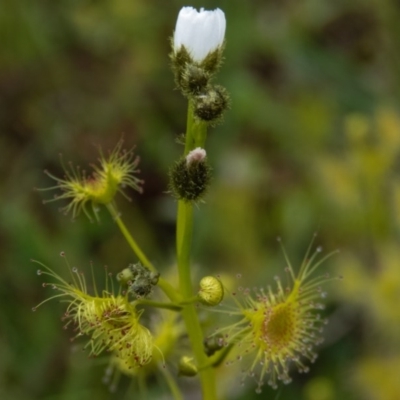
(139,279)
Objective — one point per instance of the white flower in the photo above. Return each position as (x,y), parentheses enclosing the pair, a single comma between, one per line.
(199,32)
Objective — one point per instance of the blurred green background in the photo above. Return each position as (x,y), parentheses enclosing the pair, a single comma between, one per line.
(311,144)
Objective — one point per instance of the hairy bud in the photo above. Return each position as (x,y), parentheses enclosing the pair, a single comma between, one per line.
(190,176)
(210,105)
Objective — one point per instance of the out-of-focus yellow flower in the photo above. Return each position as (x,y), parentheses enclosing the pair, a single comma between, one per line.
(377,290)
(356,128)
(339,183)
(388,127)
(320,388)
(377,377)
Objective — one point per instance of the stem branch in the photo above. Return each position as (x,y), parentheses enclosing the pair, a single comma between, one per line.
(162,283)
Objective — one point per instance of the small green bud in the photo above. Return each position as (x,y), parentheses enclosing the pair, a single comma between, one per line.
(213,344)
(190,176)
(211,291)
(210,105)
(139,279)
(187,367)
(125,277)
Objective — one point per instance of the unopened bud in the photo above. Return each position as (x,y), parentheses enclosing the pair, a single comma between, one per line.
(213,344)
(211,291)
(193,80)
(187,367)
(190,176)
(125,276)
(195,156)
(139,279)
(210,105)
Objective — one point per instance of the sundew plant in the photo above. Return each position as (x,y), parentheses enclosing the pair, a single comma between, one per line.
(270,332)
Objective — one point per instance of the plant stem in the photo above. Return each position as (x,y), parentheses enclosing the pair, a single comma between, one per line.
(162,283)
(177,395)
(195,136)
(158,304)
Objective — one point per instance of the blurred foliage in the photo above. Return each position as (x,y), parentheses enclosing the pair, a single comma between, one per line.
(311,144)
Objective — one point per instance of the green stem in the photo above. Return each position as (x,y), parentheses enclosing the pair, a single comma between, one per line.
(176,393)
(195,136)
(159,304)
(162,283)
(196,131)
(192,300)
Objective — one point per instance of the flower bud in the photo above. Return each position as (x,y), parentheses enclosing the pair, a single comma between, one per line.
(193,79)
(211,291)
(210,105)
(139,279)
(199,33)
(190,176)
(195,156)
(187,366)
(125,277)
(213,344)
(197,48)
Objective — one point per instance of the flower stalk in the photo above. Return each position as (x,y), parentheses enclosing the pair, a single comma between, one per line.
(195,137)
(162,283)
